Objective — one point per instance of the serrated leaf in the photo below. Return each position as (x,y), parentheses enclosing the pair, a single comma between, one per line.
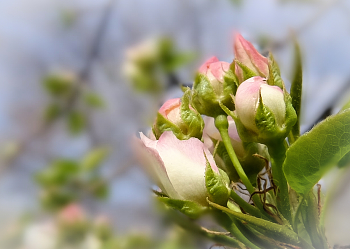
(94,158)
(314,153)
(296,89)
(189,208)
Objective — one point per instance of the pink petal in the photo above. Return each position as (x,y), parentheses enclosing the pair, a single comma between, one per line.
(246,53)
(149,158)
(203,69)
(185,164)
(169,105)
(218,69)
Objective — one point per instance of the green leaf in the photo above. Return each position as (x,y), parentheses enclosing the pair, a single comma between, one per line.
(58,85)
(94,100)
(94,158)
(296,89)
(314,153)
(346,106)
(189,208)
(76,122)
(57,173)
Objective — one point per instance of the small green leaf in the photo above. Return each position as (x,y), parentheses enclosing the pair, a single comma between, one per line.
(57,173)
(58,85)
(296,89)
(314,153)
(94,100)
(189,208)
(94,158)
(76,122)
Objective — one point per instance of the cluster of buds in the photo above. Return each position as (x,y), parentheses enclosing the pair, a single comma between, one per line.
(185,154)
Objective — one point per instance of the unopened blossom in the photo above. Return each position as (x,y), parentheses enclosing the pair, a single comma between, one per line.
(246,54)
(177,166)
(215,83)
(178,116)
(265,111)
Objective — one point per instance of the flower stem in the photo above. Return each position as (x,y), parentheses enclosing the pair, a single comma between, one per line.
(221,124)
(277,152)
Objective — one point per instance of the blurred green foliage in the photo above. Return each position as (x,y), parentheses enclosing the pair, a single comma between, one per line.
(65,181)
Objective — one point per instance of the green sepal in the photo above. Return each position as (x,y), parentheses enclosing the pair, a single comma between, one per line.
(162,124)
(193,121)
(274,78)
(217,185)
(247,72)
(291,123)
(275,231)
(296,89)
(189,208)
(206,101)
(311,220)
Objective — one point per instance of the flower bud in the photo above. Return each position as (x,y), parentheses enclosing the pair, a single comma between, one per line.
(215,83)
(263,111)
(179,117)
(177,166)
(246,54)
(252,165)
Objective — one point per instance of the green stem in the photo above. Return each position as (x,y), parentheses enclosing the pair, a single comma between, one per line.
(221,124)
(277,152)
(247,207)
(230,224)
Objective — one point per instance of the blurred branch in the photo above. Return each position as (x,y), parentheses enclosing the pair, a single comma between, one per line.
(83,77)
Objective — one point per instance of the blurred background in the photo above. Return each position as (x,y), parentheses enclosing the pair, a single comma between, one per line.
(79,79)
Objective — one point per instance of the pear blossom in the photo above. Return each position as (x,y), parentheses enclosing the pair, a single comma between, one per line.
(178,166)
(214,84)
(178,116)
(247,102)
(246,54)
(215,71)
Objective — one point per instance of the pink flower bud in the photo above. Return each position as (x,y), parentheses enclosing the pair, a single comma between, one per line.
(247,102)
(171,110)
(215,71)
(72,214)
(177,166)
(250,57)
